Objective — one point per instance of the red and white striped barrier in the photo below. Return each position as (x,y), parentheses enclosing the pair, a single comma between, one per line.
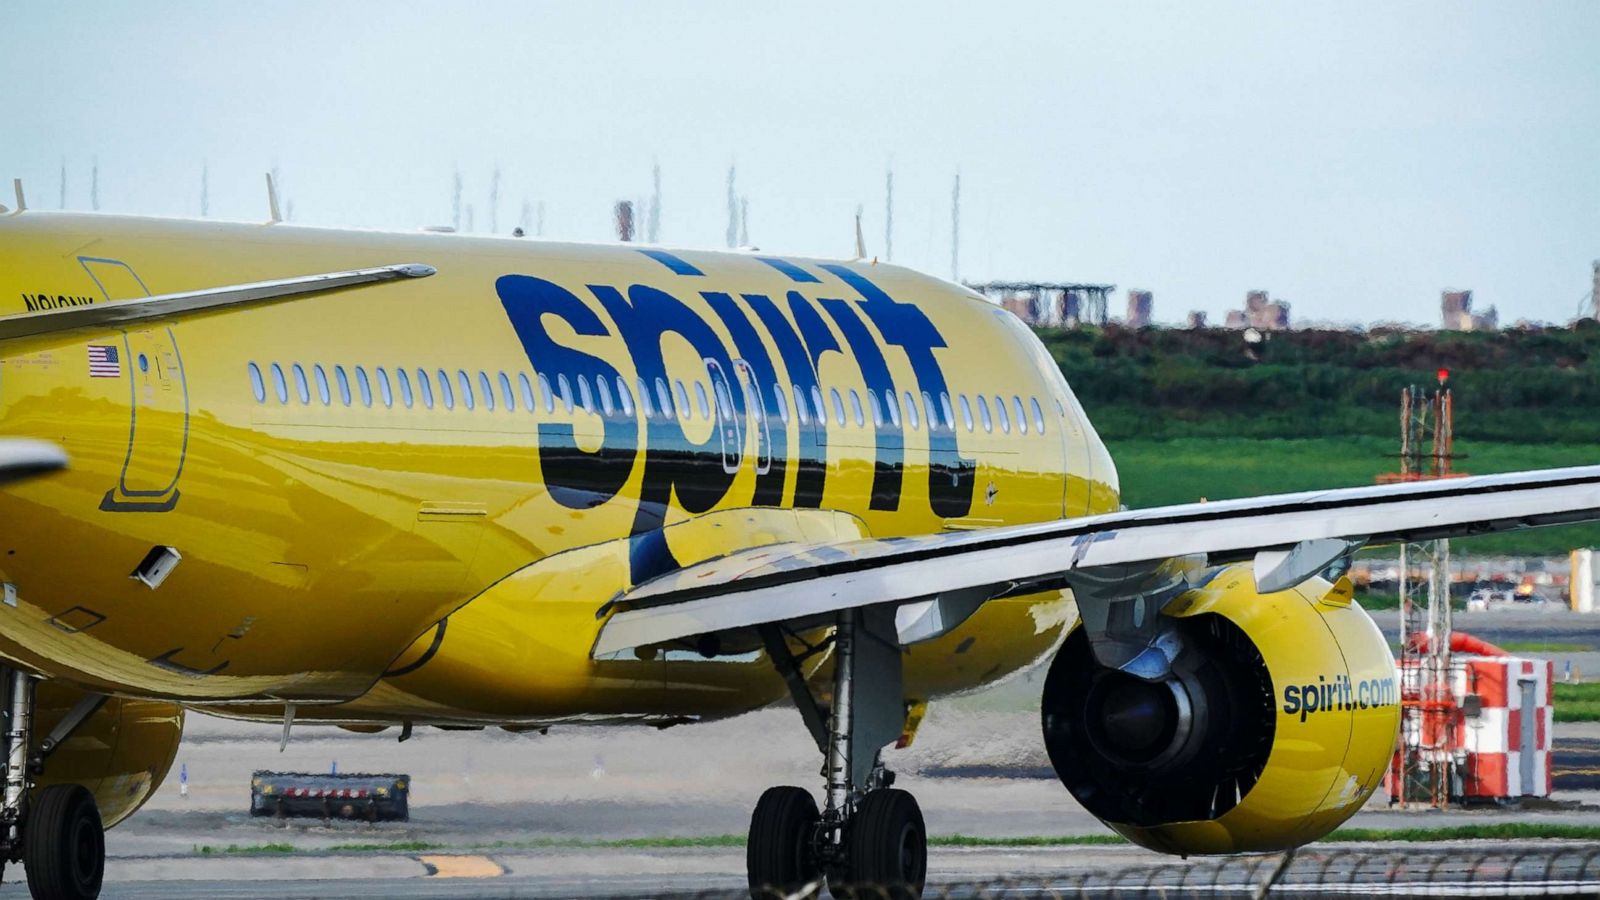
(1507,743)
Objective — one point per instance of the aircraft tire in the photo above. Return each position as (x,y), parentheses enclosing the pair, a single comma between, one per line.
(64,844)
(778,855)
(888,848)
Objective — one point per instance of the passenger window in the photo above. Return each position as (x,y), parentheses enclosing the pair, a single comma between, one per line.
(911,412)
(1000,412)
(278,384)
(783,403)
(447,394)
(565,387)
(983,413)
(585,396)
(1018,414)
(363,386)
(820,409)
(929,411)
(624,397)
(485,391)
(838,405)
(464,382)
(855,408)
(893,403)
(801,414)
(257,386)
(507,402)
(526,387)
(343,381)
(966,411)
(646,405)
(322,385)
(663,399)
(383,387)
(603,388)
(425,388)
(700,400)
(949,416)
(548,394)
(683,398)
(1038,415)
(724,399)
(872,404)
(300,386)
(404,381)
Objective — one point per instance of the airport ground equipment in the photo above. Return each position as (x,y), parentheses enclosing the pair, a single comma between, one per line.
(1499,735)
(347,795)
(1425,758)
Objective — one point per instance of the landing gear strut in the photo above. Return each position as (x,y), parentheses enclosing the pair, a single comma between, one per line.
(868,840)
(56,833)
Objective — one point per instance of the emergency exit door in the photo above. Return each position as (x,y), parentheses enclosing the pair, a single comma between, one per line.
(158,400)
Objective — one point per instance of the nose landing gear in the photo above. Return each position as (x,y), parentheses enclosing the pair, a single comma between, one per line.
(55,832)
(869,839)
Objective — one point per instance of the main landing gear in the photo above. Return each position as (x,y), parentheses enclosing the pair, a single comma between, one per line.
(868,840)
(55,832)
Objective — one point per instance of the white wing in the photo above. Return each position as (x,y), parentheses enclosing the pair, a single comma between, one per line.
(799,584)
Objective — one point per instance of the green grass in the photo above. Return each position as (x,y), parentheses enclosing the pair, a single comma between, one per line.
(1499,831)
(965,840)
(1577,702)
(1543,647)
(1160,472)
(208,850)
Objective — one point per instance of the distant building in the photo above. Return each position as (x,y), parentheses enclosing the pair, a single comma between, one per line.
(1021,307)
(1197,319)
(1049,303)
(1140,305)
(1456,314)
(1260,312)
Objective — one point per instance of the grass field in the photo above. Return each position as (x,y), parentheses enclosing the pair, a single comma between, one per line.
(1155,473)
(1577,702)
(1494,831)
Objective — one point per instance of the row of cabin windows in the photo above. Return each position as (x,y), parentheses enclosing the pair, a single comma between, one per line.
(410,387)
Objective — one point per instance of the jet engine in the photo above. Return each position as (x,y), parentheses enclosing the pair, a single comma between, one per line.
(120,753)
(1275,724)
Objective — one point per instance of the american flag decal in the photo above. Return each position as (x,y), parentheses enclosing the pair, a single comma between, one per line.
(103,362)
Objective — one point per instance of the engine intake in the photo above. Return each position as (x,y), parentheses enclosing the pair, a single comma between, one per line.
(1220,757)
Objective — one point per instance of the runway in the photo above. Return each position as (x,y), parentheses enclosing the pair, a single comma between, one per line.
(502,815)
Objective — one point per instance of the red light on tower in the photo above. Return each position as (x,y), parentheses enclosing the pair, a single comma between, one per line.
(1444,375)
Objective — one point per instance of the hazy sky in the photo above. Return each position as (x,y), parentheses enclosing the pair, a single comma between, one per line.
(1353,159)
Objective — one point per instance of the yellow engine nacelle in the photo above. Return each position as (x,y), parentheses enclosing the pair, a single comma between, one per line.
(1276,725)
(121,753)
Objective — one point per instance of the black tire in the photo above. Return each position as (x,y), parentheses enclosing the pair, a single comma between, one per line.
(888,848)
(778,854)
(64,844)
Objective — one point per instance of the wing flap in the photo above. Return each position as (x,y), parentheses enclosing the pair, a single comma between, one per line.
(728,593)
(163,306)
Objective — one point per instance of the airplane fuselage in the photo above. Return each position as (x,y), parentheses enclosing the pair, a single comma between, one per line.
(464,470)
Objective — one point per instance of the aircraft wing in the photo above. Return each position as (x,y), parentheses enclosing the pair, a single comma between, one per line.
(1291,537)
(123,312)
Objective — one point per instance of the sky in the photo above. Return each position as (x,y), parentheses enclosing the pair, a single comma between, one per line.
(1354,159)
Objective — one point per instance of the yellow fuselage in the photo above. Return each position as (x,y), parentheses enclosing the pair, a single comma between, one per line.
(463,530)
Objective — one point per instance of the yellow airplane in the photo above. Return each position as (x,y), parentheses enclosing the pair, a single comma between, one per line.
(387,480)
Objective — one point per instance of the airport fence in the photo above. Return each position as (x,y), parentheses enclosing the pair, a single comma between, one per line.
(1533,870)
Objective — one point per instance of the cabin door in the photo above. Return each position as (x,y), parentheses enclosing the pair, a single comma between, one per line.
(158,398)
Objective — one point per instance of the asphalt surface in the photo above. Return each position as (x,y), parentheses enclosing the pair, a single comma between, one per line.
(487,806)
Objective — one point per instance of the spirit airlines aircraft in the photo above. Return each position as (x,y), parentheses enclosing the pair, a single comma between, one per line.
(411,480)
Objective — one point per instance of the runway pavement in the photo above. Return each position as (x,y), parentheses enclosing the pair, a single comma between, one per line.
(488,808)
